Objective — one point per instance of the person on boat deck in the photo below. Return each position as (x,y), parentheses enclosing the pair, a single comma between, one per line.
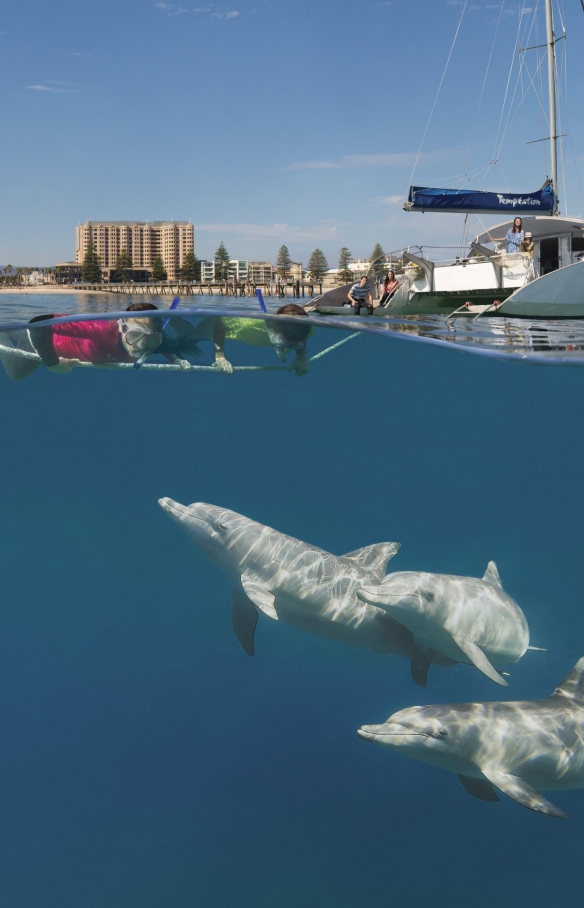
(388,287)
(283,337)
(514,236)
(96,341)
(360,295)
(527,246)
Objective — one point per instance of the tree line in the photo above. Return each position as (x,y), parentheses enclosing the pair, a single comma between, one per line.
(190,270)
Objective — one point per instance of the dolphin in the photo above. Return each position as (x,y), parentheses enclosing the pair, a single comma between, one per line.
(464,618)
(291,581)
(518,747)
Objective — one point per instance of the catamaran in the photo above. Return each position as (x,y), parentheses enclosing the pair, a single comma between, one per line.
(489,273)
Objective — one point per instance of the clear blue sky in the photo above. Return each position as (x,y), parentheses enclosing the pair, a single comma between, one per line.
(262,121)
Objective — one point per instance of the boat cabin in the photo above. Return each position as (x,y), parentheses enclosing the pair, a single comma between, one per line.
(559,241)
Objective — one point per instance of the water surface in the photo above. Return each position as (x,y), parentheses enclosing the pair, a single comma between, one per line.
(147,760)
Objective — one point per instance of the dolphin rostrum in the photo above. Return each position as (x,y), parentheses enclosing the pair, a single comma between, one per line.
(517,747)
(291,581)
(464,618)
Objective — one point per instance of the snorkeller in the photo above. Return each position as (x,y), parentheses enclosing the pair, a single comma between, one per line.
(284,336)
(99,341)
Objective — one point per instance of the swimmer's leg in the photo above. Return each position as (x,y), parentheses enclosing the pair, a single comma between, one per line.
(42,341)
(16,367)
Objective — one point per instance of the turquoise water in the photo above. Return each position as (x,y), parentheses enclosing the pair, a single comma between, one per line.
(147,760)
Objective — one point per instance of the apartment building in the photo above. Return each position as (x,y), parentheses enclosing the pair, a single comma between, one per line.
(260,272)
(143,240)
(238,269)
(207,271)
(241,270)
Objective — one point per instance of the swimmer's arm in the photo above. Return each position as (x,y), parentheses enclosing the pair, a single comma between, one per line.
(221,360)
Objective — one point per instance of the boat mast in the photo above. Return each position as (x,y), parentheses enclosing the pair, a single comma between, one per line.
(551,59)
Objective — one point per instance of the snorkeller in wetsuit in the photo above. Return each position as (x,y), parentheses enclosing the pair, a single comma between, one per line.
(283,336)
(98,341)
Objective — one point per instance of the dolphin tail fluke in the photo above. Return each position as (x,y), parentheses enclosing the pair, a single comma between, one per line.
(475,655)
(420,662)
(522,792)
(479,788)
(244,618)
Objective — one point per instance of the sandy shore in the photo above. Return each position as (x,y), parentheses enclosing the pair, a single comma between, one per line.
(50,288)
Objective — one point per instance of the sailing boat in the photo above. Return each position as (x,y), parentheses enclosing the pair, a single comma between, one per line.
(473,284)
(486,276)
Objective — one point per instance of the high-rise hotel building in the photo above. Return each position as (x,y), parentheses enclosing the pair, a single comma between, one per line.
(144,240)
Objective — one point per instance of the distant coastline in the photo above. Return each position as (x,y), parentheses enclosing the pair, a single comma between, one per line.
(47,288)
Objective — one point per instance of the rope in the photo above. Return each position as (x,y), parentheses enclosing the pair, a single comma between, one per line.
(438,92)
(173,367)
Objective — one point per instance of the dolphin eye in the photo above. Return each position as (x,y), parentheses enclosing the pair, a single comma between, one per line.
(443,733)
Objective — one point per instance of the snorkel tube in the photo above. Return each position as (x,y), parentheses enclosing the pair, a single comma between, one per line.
(145,356)
(261,300)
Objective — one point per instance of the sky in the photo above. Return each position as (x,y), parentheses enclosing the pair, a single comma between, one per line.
(270,122)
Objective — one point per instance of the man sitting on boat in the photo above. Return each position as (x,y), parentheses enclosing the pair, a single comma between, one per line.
(360,295)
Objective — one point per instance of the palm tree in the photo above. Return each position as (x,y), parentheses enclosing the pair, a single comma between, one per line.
(7,271)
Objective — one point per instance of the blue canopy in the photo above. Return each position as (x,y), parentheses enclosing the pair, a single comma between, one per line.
(470,201)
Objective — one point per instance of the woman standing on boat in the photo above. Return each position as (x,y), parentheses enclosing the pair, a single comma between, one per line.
(388,288)
(514,236)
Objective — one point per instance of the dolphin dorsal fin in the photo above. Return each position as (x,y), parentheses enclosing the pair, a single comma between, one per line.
(572,687)
(374,558)
(491,575)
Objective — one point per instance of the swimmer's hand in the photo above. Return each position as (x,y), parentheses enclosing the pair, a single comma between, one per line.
(301,366)
(222,364)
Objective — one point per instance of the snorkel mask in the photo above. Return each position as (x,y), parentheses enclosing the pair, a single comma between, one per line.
(140,336)
(286,337)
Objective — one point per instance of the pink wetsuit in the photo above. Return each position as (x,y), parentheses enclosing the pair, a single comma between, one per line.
(91,342)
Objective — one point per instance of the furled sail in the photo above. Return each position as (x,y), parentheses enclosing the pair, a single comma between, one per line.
(422,198)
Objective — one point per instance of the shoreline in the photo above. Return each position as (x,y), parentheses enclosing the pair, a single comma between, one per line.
(65,288)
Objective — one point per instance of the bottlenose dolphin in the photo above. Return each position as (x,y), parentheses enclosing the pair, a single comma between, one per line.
(291,581)
(517,747)
(464,618)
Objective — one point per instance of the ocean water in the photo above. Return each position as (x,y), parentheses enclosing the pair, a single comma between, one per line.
(147,761)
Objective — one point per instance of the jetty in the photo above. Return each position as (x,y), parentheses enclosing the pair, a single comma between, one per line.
(294,290)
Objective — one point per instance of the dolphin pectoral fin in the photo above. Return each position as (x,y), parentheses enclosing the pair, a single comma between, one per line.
(244,618)
(374,558)
(478,788)
(260,596)
(420,662)
(521,791)
(491,575)
(475,654)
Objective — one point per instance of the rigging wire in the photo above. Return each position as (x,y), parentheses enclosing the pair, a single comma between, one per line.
(568,130)
(521,64)
(525,133)
(438,91)
(493,156)
(483,86)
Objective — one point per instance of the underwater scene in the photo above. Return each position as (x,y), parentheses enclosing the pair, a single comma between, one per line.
(239,549)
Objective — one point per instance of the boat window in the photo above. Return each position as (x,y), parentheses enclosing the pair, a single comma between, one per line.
(578,244)
(549,255)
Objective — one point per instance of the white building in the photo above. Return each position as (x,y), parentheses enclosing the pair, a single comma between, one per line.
(238,269)
(207,271)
